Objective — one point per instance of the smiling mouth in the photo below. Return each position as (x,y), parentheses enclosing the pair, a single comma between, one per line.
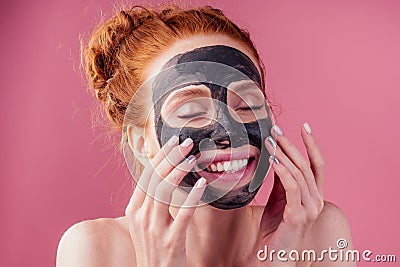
(228,167)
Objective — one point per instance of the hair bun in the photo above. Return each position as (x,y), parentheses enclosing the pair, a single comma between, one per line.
(103,48)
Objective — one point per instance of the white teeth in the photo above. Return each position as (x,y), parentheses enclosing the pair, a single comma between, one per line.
(228,166)
(235,165)
(244,162)
(220,167)
(213,168)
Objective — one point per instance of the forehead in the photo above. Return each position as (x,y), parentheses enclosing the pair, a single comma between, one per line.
(217,66)
(191,43)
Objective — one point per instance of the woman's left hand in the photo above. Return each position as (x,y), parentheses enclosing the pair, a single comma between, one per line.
(296,199)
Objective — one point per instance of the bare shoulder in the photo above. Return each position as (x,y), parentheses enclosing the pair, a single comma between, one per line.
(332,222)
(98,242)
(330,230)
(331,225)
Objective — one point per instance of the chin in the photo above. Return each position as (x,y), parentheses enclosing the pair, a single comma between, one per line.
(233,175)
(234,199)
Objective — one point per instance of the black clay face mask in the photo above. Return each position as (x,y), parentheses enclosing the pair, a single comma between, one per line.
(214,70)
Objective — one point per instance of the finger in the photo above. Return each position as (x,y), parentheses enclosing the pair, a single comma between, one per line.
(315,156)
(186,212)
(167,186)
(139,193)
(171,143)
(278,191)
(292,188)
(296,173)
(168,163)
(300,163)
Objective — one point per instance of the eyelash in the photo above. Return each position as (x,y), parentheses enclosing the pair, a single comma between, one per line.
(250,108)
(193,115)
(202,113)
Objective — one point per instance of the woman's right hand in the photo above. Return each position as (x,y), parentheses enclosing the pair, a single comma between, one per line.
(159,239)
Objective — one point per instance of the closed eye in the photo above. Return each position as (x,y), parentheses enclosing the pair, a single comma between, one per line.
(192,115)
(250,107)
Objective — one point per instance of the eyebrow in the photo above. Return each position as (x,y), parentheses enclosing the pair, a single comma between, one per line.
(192,90)
(244,86)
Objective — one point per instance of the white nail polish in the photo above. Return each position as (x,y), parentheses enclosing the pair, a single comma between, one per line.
(274,159)
(187,142)
(190,159)
(200,183)
(173,141)
(271,141)
(277,130)
(307,127)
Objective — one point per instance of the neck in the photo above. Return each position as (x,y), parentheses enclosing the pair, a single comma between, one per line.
(218,237)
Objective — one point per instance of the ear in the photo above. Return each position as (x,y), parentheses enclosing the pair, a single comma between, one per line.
(136,143)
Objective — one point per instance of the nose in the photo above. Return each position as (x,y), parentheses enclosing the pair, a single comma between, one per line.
(223,142)
(221,137)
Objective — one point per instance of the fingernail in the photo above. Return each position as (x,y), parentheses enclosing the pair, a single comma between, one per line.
(173,141)
(274,159)
(187,142)
(307,127)
(200,183)
(190,159)
(277,130)
(271,141)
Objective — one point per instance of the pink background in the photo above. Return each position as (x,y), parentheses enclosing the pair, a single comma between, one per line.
(334,64)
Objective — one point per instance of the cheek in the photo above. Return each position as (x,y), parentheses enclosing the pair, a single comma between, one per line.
(150,138)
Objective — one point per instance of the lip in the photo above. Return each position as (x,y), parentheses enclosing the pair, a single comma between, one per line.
(207,157)
(222,178)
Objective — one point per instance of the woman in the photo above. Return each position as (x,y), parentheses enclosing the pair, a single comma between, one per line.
(190,128)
